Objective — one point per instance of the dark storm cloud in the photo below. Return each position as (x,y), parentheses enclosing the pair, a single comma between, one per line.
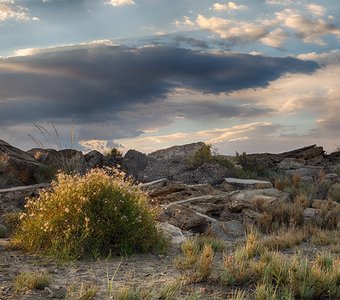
(97,83)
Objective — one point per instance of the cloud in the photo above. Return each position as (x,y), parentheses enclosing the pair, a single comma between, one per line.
(275,38)
(185,23)
(229,6)
(229,29)
(9,10)
(316,9)
(280,2)
(310,30)
(120,2)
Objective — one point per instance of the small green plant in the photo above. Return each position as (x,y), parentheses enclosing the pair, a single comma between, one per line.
(95,214)
(31,280)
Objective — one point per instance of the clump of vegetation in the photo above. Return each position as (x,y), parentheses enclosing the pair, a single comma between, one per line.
(82,292)
(250,166)
(207,155)
(197,256)
(114,152)
(277,276)
(3,161)
(30,281)
(91,215)
(278,215)
(334,192)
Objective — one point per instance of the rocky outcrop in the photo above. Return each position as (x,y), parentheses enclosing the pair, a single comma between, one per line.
(134,163)
(177,152)
(94,159)
(17,167)
(175,164)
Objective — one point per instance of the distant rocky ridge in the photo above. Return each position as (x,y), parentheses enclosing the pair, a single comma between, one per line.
(19,168)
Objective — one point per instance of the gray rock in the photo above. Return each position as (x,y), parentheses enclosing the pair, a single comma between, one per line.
(177,152)
(207,173)
(185,218)
(240,200)
(310,213)
(13,199)
(174,233)
(291,164)
(247,184)
(17,167)
(94,159)
(234,228)
(134,163)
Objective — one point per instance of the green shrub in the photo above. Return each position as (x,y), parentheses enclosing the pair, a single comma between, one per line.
(201,157)
(250,165)
(114,152)
(95,214)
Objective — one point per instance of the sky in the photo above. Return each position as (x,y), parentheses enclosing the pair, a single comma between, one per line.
(244,76)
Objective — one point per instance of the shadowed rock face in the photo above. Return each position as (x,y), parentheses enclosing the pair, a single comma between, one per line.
(16,167)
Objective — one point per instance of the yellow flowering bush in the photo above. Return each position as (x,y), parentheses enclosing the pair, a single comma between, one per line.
(99,213)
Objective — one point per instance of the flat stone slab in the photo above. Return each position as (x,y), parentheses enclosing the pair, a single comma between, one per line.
(24,188)
(248,183)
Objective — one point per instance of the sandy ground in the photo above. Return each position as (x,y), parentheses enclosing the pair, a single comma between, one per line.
(138,270)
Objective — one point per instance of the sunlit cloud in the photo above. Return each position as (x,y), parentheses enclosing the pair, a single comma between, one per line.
(10,10)
(116,3)
(229,6)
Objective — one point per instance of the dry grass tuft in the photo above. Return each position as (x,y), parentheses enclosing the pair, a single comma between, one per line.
(30,281)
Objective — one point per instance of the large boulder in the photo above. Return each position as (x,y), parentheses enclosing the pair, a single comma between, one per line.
(93,159)
(134,163)
(17,167)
